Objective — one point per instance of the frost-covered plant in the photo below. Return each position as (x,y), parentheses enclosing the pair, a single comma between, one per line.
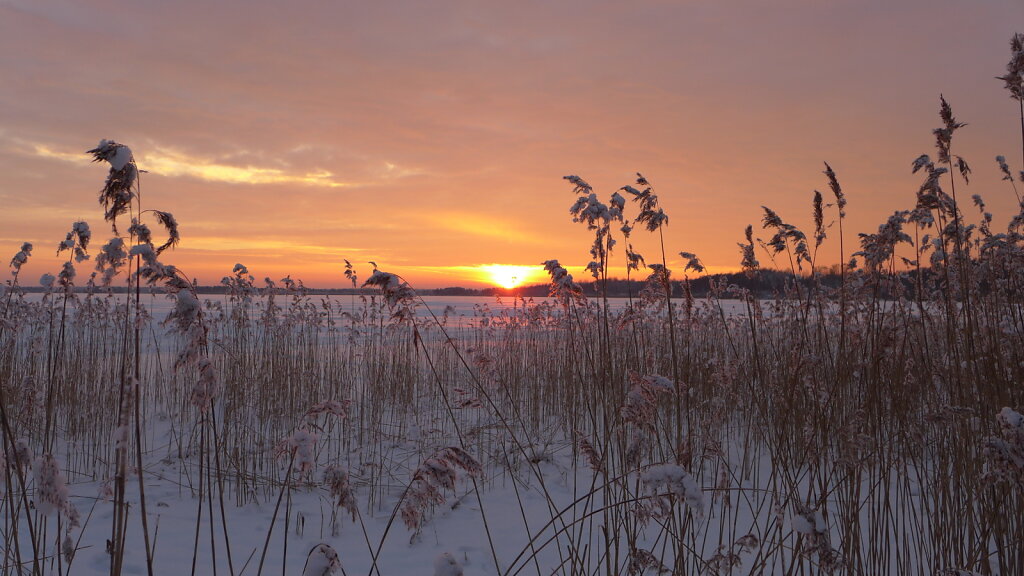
(340,488)
(641,560)
(787,238)
(663,486)
(651,215)
(350,274)
(944,136)
(641,404)
(111,258)
(748,262)
(811,525)
(400,297)
(52,495)
(51,489)
(301,449)
(693,262)
(22,455)
(598,217)
(657,287)
(332,407)
(1014,77)
(241,288)
(120,196)
(877,249)
(21,257)
(728,558)
(431,477)
(590,454)
(118,191)
(77,241)
(930,196)
(1005,453)
(563,288)
(322,560)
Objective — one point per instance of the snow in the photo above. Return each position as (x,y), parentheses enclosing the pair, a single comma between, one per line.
(447,565)
(322,560)
(529,504)
(119,157)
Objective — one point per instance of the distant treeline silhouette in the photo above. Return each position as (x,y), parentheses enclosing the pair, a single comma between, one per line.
(765,284)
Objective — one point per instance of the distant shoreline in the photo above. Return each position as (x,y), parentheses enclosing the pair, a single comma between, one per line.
(766,284)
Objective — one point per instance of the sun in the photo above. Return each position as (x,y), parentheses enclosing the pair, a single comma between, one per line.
(507,276)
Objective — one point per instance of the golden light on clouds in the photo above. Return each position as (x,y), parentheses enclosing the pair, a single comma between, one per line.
(44,151)
(173,163)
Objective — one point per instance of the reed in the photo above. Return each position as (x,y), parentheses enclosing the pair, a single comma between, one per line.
(864,427)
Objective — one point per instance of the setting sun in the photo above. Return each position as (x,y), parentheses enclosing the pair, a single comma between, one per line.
(508,276)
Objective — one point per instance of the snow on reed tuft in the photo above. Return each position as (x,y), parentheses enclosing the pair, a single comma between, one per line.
(51,490)
(446,565)
(321,561)
(1005,454)
(22,256)
(671,480)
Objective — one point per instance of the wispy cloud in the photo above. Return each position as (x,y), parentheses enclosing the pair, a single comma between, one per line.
(174,163)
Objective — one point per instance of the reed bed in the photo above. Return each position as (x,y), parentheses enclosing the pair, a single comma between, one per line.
(868,427)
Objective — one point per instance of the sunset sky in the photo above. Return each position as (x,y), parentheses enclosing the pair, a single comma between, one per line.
(432,136)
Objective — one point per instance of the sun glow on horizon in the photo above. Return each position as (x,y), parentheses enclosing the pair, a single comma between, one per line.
(508,276)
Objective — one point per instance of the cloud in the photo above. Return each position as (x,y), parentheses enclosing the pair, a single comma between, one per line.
(174,163)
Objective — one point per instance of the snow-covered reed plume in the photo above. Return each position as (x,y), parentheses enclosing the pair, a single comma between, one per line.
(651,215)
(301,446)
(944,136)
(877,249)
(77,241)
(431,477)
(1014,77)
(21,257)
(240,284)
(663,485)
(728,559)
(641,404)
(1005,453)
(693,262)
(816,541)
(51,488)
(400,297)
(331,407)
(340,488)
(112,257)
(748,262)
(563,287)
(22,459)
(322,560)
(787,238)
(118,191)
(350,274)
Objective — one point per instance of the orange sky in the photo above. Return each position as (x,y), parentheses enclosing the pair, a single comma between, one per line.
(431,137)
